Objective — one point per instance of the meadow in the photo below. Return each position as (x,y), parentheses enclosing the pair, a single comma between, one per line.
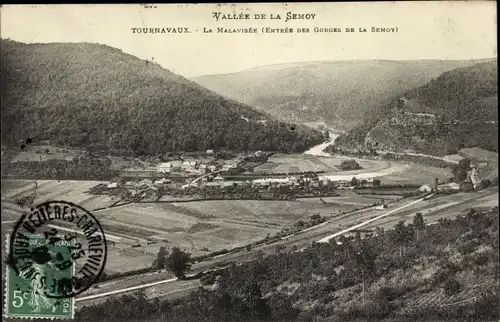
(67,190)
(418,174)
(295,163)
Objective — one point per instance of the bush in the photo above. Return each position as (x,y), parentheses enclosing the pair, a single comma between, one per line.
(452,287)
(480,259)
(378,309)
(349,165)
(467,247)
(390,293)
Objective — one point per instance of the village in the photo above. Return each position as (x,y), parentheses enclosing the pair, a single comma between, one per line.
(210,178)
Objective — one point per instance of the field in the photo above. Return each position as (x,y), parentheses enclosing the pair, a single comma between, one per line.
(201,227)
(282,163)
(286,163)
(72,191)
(418,174)
(136,231)
(67,190)
(45,152)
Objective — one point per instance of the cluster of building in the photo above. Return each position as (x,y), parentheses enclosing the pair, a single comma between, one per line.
(200,167)
(471,182)
(290,181)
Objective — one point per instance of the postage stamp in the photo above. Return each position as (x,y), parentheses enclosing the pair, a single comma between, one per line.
(25,293)
(56,252)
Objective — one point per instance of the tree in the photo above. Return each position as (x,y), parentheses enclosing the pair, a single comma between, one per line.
(161,258)
(418,223)
(315,219)
(178,262)
(485,183)
(349,165)
(365,261)
(357,238)
(282,308)
(354,182)
(379,231)
(460,171)
(401,236)
(452,287)
(256,305)
(436,183)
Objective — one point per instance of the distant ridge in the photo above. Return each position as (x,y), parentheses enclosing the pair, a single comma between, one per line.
(96,96)
(343,94)
(458,109)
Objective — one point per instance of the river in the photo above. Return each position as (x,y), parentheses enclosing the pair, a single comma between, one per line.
(317,150)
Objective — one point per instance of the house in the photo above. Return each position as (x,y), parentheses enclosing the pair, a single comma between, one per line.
(425,188)
(454,186)
(370,182)
(228,184)
(325,181)
(381,207)
(278,181)
(258,153)
(261,182)
(144,183)
(453,158)
(343,183)
(191,164)
(167,167)
(164,166)
(112,185)
(218,179)
(129,184)
(212,168)
(210,152)
(162,181)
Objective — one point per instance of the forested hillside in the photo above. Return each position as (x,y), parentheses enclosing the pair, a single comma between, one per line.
(442,272)
(459,109)
(343,94)
(96,96)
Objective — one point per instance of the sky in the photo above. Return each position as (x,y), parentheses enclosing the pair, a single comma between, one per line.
(425,30)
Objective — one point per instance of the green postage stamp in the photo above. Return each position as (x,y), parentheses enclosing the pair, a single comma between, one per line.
(30,290)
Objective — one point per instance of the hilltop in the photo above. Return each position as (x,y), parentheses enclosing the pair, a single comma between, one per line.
(458,109)
(343,94)
(95,96)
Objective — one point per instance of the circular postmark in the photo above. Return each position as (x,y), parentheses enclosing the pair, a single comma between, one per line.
(58,247)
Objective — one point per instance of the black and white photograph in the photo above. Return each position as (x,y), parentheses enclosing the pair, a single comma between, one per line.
(307,162)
